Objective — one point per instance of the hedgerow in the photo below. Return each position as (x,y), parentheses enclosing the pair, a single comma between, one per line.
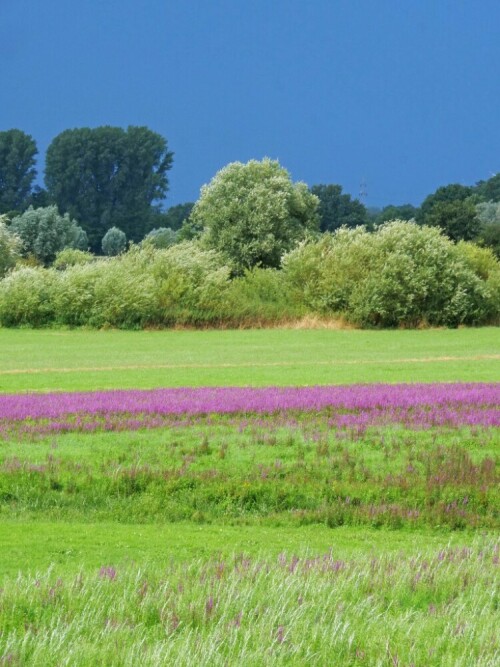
(403,275)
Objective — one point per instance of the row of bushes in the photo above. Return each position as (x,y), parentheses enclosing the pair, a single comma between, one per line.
(402,275)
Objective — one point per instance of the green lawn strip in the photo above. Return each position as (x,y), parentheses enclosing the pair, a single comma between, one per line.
(43,360)
(34,546)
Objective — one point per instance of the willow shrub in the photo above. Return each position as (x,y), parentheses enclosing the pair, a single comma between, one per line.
(258,298)
(27,297)
(143,287)
(401,275)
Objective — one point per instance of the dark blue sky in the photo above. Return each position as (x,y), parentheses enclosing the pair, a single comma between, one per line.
(404,94)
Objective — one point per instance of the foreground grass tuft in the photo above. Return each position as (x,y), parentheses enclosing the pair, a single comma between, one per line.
(427,609)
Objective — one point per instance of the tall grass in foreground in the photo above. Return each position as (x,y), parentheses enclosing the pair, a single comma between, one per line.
(422,610)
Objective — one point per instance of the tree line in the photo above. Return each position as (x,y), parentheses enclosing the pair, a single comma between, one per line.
(110,178)
(255,248)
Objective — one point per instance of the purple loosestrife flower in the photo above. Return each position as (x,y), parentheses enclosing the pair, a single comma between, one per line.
(107,572)
(354,407)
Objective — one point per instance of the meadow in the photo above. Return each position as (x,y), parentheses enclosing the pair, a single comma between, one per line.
(274,497)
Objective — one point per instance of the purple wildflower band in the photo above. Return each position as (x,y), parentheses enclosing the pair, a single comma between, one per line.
(351,406)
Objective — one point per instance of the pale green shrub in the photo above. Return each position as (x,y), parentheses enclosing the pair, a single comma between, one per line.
(114,242)
(401,275)
(43,232)
(260,297)
(9,247)
(190,284)
(162,237)
(72,257)
(27,297)
(323,274)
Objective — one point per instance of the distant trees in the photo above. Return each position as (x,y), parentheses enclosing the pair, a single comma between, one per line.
(489,190)
(391,212)
(43,232)
(337,209)
(458,219)
(253,213)
(489,218)
(107,177)
(174,216)
(445,194)
(17,170)
(111,177)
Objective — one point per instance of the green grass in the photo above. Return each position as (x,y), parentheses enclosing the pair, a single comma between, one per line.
(112,544)
(429,608)
(32,547)
(43,360)
(255,472)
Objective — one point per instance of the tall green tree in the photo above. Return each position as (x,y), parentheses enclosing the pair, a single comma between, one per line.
(443,195)
(489,190)
(174,216)
(337,209)
(458,219)
(17,170)
(109,177)
(253,213)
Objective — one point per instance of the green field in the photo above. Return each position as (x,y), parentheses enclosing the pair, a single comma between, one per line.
(248,541)
(44,360)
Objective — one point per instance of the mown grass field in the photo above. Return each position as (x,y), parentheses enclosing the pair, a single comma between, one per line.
(47,359)
(244,539)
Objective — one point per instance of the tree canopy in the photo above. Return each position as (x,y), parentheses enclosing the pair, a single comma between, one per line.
(108,176)
(174,216)
(253,213)
(458,219)
(17,170)
(337,209)
(489,190)
(445,194)
(43,232)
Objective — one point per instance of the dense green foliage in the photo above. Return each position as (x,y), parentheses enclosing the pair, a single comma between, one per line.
(44,232)
(107,177)
(458,219)
(489,218)
(337,209)
(400,275)
(162,237)
(490,190)
(174,216)
(17,170)
(71,257)
(9,246)
(443,195)
(253,213)
(391,212)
